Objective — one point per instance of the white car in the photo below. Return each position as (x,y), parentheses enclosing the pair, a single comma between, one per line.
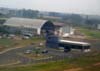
(28,51)
(26,37)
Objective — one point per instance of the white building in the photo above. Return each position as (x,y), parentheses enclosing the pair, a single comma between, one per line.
(98,26)
(63,30)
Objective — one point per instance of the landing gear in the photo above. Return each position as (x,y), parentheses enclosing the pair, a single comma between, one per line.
(67,49)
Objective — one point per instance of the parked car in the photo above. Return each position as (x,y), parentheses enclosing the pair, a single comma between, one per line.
(0,36)
(45,51)
(28,51)
(25,37)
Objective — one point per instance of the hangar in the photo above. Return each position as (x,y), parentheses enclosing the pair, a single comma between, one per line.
(28,26)
(36,26)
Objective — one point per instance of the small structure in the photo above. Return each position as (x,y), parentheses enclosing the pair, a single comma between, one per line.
(98,26)
(63,29)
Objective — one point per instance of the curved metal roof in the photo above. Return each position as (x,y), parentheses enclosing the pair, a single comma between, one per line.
(24,22)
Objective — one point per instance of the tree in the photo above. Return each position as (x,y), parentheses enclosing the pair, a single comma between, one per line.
(3,30)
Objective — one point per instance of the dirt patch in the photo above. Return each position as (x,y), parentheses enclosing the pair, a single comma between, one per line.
(74,69)
(1,48)
(17,62)
(97,64)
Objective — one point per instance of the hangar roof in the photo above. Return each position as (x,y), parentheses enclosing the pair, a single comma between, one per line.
(59,24)
(24,22)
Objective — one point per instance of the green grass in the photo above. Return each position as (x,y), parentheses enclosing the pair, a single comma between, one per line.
(3,18)
(6,42)
(27,42)
(37,39)
(51,66)
(85,62)
(91,33)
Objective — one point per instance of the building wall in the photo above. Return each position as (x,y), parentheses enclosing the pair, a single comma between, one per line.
(34,31)
(66,31)
(29,31)
(59,31)
(98,27)
(22,30)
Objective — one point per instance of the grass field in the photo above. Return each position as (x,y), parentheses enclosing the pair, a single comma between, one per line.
(3,18)
(27,42)
(87,62)
(91,33)
(6,43)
